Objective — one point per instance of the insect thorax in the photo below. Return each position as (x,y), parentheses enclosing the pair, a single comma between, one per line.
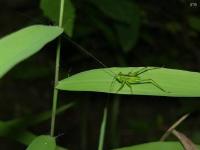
(127,78)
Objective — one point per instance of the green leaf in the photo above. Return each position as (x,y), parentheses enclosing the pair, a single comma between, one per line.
(155,146)
(128,34)
(36,119)
(177,83)
(43,142)
(23,136)
(26,137)
(15,129)
(118,10)
(105,30)
(51,9)
(6,130)
(20,45)
(194,23)
(126,14)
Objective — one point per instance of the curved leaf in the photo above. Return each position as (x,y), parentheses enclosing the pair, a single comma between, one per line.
(177,83)
(122,11)
(20,45)
(155,146)
(51,9)
(127,16)
(43,142)
(194,23)
(128,34)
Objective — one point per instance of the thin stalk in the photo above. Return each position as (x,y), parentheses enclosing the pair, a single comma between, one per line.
(114,122)
(57,67)
(84,123)
(103,129)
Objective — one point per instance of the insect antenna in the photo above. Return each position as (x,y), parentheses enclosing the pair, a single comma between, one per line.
(86,51)
(89,54)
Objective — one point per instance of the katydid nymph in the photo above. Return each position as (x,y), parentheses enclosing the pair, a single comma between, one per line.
(134,78)
(125,79)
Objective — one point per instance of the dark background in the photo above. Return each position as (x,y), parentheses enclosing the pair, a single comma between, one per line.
(166,38)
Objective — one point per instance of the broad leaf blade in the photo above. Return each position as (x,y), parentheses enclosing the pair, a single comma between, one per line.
(23,136)
(15,133)
(20,45)
(127,17)
(128,34)
(51,9)
(118,10)
(194,23)
(43,142)
(177,83)
(26,137)
(155,146)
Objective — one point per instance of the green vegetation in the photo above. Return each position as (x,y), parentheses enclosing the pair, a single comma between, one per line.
(125,17)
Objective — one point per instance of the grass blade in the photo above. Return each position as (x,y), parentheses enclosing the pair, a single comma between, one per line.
(102,130)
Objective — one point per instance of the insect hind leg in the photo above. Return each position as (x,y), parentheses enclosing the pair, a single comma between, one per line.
(129,85)
(122,85)
(151,81)
(145,69)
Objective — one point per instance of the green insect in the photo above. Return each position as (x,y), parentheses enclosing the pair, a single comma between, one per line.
(134,78)
(124,79)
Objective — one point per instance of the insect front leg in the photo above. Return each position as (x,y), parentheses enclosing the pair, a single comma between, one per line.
(151,81)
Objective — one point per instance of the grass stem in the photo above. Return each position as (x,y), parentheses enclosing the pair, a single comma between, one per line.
(57,67)
(103,129)
(114,122)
